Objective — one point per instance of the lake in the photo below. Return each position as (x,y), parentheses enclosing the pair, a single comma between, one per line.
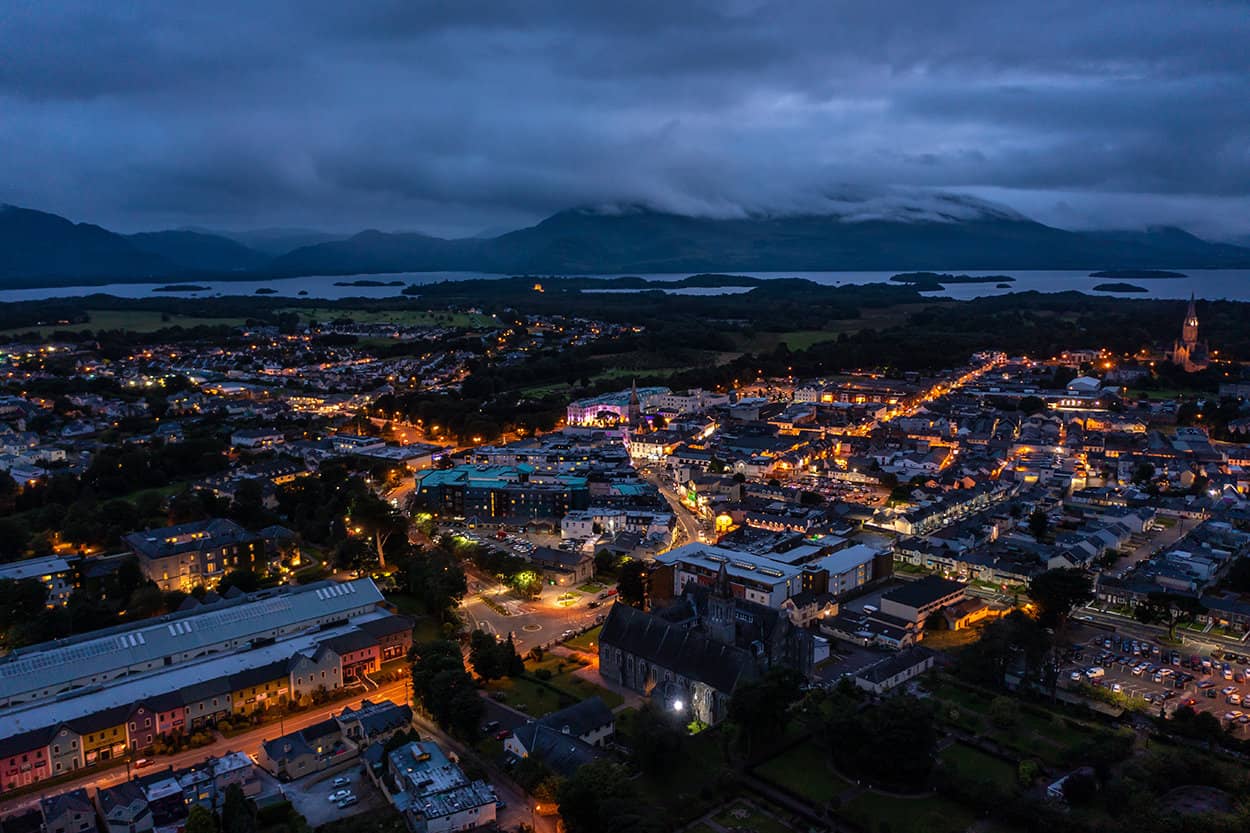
(1230,284)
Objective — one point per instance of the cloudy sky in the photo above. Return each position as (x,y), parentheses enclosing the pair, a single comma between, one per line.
(458,116)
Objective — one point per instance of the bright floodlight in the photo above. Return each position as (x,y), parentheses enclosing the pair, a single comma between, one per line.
(678,705)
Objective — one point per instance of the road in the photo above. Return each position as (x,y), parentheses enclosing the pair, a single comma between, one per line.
(248,742)
(532,623)
(689,527)
(516,813)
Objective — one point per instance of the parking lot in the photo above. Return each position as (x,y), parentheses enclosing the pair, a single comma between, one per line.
(1165,678)
(311,795)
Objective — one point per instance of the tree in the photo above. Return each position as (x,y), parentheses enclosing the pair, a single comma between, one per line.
(761,708)
(1079,788)
(1032,405)
(200,820)
(1057,592)
(485,656)
(1039,524)
(867,742)
(436,578)
(657,739)
(441,684)
(1170,609)
(21,601)
(513,665)
(236,812)
(601,798)
(245,579)
(377,519)
(633,582)
(1143,472)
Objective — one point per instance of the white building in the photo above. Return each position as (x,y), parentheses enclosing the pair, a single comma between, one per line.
(758,578)
(57,574)
(435,796)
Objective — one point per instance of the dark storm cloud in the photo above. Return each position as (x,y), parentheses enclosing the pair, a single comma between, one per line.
(450,117)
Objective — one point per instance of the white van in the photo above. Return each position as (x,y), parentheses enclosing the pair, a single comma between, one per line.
(1095,673)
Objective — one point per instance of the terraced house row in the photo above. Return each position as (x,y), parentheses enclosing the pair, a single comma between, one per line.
(74,703)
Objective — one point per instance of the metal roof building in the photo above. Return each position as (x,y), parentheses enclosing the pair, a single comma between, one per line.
(51,668)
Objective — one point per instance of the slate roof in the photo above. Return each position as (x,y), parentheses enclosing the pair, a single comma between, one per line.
(564,754)
(580,718)
(676,649)
(885,669)
(379,628)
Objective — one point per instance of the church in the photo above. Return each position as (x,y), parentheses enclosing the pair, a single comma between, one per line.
(694,653)
(1188,352)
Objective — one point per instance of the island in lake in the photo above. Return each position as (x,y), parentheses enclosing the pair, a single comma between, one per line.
(182,287)
(1119,287)
(1137,274)
(931,281)
(367,282)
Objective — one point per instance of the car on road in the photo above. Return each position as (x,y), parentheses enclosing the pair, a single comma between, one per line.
(342,781)
(490,726)
(339,795)
(142,762)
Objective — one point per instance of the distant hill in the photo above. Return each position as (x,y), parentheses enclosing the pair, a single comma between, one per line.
(279,241)
(946,233)
(35,244)
(200,251)
(595,242)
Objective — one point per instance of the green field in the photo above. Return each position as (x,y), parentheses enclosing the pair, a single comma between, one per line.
(403,318)
(135,321)
(1048,736)
(877,813)
(805,769)
(977,765)
(539,697)
(588,641)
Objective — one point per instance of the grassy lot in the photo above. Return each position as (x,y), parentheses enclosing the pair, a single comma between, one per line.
(877,813)
(588,641)
(689,790)
(745,816)
(591,587)
(974,763)
(539,697)
(1046,736)
(136,321)
(805,770)
(878,319)
(403,318)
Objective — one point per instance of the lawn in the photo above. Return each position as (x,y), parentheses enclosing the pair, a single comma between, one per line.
(805,770)
(591,587)
(744,816)
(690,788)
(536,697)
(973,763)
(877,813)
(135,321)
(588,641)
(1047,736)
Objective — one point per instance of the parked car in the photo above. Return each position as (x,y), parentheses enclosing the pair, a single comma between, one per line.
(339,795)
(348,801)
(342,781)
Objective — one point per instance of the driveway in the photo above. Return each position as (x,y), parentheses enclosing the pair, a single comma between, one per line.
(309,795)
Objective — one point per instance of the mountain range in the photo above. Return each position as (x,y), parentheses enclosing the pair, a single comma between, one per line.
(42,249)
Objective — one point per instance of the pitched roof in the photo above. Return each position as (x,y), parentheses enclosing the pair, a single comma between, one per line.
(565,754)
(676,649)
(580,718)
